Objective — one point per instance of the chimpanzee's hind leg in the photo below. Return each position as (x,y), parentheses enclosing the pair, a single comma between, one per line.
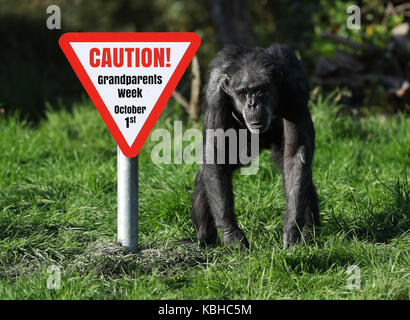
(201,214)
(312,219)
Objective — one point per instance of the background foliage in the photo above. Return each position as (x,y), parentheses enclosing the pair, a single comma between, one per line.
(35,72)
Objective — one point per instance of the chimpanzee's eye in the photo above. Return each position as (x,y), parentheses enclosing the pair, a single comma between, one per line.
(242,93)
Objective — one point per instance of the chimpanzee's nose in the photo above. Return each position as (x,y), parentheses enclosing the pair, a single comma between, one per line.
(252,103)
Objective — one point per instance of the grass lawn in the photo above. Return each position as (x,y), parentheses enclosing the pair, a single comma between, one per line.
(58,207)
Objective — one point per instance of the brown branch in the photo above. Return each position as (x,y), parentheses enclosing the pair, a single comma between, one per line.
(402,8)
(388,11)
(369,6)
(191,107)
(339,39)
(195,89)
(181,100)
(368,49)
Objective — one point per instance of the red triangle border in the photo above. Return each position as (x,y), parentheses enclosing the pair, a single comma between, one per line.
(85,80)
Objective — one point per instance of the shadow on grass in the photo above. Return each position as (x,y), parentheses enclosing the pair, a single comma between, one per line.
(29,247)
(108,259)
(367,225)
(376,226)
(27,229)
(319,261)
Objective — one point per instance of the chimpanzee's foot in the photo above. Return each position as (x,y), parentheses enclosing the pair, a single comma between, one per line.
(292,237)
(207,236)
(232,237)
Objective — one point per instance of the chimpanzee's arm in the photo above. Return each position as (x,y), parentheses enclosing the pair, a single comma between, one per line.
(297,176)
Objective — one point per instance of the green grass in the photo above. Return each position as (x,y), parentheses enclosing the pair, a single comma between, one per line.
(58,207)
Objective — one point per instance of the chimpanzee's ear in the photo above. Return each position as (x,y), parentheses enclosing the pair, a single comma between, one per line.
(224,81)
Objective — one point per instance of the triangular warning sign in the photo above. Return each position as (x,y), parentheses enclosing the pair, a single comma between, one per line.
(129,77)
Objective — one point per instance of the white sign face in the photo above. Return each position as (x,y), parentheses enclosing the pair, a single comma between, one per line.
(129,77)
(129,93)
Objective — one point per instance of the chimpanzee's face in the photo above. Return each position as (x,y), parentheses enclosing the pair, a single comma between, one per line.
(255,97)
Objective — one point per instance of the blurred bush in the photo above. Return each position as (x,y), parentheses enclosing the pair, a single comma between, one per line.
(377,20)
(34,71)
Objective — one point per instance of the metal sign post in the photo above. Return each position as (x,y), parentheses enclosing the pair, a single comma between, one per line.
(127,195)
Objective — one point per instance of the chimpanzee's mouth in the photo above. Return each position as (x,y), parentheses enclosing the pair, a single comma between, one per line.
(256,125)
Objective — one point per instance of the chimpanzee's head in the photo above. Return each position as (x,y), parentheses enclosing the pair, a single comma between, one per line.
(253,89)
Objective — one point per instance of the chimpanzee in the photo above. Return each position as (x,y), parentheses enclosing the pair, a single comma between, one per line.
(265,91)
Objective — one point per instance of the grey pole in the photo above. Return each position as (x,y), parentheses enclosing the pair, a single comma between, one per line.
(127,197)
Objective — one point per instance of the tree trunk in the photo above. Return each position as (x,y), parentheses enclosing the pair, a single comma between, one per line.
(232,22)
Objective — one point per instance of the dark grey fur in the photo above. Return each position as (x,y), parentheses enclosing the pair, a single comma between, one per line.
(278,108)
